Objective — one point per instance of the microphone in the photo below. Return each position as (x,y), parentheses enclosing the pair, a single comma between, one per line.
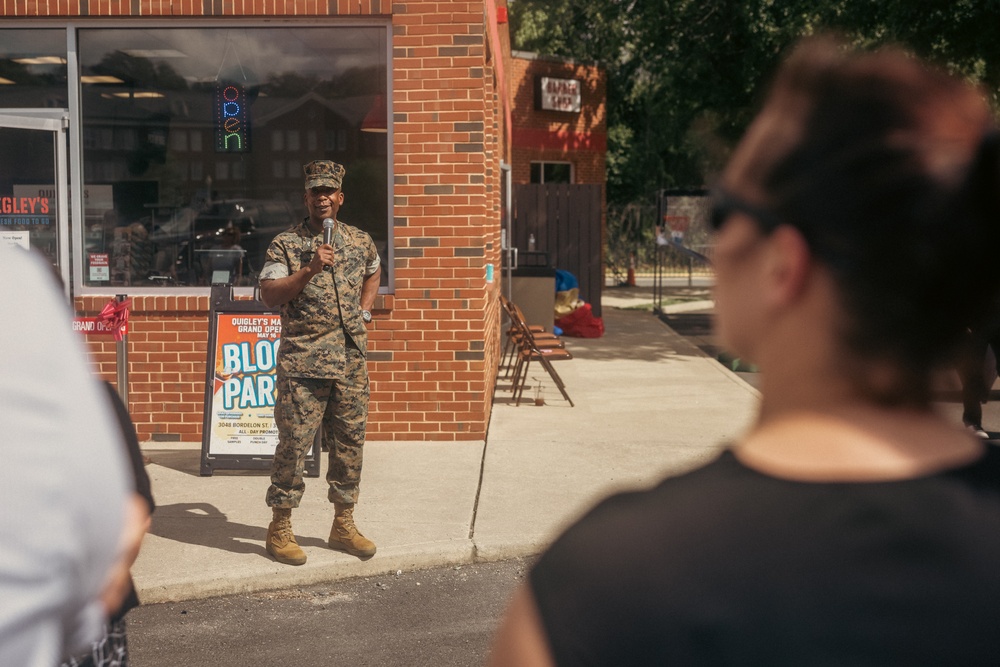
(327,236)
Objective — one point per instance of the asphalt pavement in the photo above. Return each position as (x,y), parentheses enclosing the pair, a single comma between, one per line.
(428,618)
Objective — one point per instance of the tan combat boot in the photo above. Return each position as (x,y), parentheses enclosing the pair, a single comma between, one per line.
(344,535)
(281,540)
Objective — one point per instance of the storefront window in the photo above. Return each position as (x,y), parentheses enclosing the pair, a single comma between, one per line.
(194,141)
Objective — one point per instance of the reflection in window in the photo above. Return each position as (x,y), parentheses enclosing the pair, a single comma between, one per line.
(125,139)
(33,69)
(178,141)
(299,94)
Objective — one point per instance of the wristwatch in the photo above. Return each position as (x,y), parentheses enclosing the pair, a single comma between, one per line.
(366,315)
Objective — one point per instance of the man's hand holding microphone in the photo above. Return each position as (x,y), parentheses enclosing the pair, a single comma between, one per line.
(323,260)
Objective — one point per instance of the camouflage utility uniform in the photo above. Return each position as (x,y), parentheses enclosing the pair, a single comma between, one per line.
(322,375)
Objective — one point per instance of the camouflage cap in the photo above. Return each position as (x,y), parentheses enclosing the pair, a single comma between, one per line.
(324,174)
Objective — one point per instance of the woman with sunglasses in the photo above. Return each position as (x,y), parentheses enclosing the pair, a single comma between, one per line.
(852,524)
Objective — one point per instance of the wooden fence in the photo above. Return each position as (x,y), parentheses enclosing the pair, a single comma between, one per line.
(566,223)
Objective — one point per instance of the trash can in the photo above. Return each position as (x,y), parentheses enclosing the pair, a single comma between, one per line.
(533,289)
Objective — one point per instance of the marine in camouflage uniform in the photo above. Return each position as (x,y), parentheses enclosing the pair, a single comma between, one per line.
(325,293)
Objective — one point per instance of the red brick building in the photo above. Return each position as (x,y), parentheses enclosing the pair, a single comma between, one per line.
(175,111)
(558,165)
(559,129)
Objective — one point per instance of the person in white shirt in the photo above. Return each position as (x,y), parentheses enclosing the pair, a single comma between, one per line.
(67,520)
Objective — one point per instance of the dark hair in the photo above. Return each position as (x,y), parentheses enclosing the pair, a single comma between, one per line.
(889,169)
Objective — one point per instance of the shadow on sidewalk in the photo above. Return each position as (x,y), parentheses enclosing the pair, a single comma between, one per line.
(631,335)
(188,461)
(204,525)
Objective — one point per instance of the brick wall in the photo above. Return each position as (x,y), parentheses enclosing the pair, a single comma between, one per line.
(157,8)
(444,342)
(434,344)
(167,349)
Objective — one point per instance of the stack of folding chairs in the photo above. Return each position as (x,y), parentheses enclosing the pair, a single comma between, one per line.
(527,343)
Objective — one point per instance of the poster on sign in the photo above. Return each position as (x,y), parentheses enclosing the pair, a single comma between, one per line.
(238,431)
(242,410)
(100,266)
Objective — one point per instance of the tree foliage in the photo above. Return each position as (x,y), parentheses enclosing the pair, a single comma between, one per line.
(685,76)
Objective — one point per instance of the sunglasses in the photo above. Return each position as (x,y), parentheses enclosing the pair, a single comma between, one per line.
(724,204)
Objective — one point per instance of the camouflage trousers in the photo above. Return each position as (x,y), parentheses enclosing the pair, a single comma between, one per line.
(301,405)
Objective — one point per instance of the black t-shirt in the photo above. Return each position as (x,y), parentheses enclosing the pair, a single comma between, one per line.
(729,566)
(139,474)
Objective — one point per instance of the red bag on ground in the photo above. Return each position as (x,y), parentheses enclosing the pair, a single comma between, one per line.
(581,323)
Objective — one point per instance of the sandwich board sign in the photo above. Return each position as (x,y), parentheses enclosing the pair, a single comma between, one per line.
(240,387)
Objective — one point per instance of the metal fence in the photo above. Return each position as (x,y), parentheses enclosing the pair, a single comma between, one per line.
(639,233)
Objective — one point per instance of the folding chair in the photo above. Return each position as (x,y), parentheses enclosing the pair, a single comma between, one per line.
(528,350)
(543,338)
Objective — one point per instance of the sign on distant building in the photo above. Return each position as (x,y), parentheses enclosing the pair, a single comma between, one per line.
(559,94)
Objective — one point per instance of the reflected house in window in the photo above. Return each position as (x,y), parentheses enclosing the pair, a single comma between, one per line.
(336,121)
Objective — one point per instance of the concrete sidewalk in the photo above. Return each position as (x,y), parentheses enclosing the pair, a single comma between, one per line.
(648,404)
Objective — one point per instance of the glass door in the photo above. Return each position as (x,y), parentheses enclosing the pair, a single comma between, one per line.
(34,184)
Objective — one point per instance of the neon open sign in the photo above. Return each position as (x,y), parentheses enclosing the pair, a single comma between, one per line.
(232,118)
